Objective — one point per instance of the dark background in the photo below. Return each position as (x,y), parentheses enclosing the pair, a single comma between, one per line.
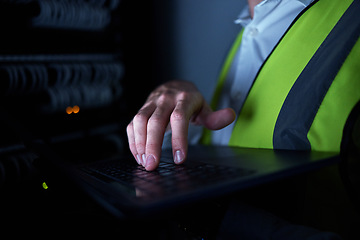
(152,41)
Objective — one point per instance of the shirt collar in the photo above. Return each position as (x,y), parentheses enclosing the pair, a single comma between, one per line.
(244,17)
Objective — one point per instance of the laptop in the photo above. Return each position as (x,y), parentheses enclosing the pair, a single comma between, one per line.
(127,190)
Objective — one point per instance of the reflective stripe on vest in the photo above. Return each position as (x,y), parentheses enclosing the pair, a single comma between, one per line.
(272,116)
(307,94)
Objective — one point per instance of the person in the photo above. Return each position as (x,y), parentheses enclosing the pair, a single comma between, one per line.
(290,81)
(178,103)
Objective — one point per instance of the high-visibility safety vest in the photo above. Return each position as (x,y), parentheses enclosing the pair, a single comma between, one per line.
(307,87)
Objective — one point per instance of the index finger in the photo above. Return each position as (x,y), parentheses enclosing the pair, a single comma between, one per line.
(155,133)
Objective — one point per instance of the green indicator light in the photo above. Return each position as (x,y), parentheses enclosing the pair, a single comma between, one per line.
(44,185)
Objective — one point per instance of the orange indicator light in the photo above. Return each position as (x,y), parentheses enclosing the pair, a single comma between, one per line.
(69,110)
(75,109)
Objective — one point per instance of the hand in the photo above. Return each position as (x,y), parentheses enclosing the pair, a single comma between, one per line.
(178,103)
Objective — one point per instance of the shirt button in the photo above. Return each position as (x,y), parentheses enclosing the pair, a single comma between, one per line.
(253,32)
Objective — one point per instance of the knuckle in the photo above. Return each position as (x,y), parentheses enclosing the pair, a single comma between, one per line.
(140,117)
(133,149)
(163,99)
(184,95)
(178,115)
(152,148)
(129,127)
(140,147)
(179,142)
(156,120)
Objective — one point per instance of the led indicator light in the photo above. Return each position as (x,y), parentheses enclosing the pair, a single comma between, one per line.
(44,185)
(75,109)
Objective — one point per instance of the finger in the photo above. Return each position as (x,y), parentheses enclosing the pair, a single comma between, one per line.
(179,121)
(140,130)
(155,134)
(215,120)
(131,141)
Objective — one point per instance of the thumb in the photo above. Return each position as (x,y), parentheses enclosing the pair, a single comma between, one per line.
(215,120)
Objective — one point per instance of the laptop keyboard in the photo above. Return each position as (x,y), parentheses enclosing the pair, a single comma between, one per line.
(168,178)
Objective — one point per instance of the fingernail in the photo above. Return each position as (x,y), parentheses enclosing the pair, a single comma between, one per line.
(150,161)
(143,162)
(179,157)
(138,159)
